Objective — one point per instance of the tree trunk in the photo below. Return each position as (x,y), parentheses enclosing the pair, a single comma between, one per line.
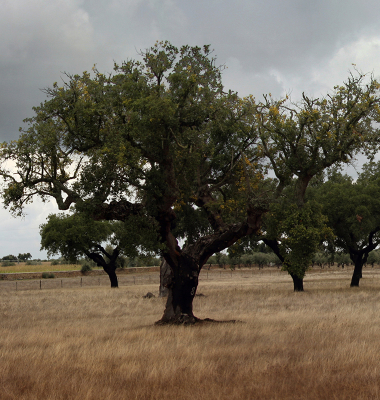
(111,272)
(358,258)
(165,276)
(110,267)
(297,282)
(357,274)
(182,287)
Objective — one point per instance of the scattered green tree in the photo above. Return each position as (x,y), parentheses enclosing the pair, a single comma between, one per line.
(24,256)
(373,258)
(301,141)
(76,235)
(300,231)
(353,211)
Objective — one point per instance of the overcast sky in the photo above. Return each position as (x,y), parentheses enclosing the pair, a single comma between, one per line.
(277,46)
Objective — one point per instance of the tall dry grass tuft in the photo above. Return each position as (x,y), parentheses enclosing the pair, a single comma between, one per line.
(98,343)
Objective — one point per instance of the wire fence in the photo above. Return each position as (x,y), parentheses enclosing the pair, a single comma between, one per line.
(154,278)
(123,279)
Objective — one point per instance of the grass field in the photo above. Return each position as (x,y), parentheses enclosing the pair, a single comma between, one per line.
(99,343)
(43,267)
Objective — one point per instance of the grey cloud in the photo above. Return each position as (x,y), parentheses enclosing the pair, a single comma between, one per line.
(286,35)
(39,40)
(273,46)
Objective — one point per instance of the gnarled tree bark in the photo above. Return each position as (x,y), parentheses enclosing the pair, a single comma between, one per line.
(186,264)
(297,281)
(359,258)
(108,267)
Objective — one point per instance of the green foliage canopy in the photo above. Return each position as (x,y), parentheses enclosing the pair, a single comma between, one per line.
(77,235)
(299,231)
(302,140)
(158,139)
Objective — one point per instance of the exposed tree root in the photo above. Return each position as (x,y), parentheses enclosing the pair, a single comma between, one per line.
(185,319)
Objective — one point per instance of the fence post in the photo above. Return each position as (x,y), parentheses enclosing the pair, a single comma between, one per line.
(16,286)
(134,280)
(61,283)
(81,282)
(40,284)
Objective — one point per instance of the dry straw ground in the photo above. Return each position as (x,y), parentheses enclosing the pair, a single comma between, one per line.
(42,267)
(98,343)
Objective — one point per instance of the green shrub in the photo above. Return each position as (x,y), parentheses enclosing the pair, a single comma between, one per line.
(47,275)
(260,259)
(150,261)
(85,268)
(221,259)
(7,264)
(342,259)
(132,262)
(33,263)
(373,258)
(212,260)
(121,262)
(54,262)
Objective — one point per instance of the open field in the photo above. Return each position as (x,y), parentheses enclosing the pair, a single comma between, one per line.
(45,266)
(98,343)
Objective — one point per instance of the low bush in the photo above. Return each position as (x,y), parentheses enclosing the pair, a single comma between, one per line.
(33,263)
(7,264)
(85,268)
(47,275)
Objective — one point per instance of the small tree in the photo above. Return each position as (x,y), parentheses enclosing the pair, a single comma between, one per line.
(373,258)
(24,256)
(320,259)
(342,259)
(300,232)
(76,235)
(260,259)
(353,211)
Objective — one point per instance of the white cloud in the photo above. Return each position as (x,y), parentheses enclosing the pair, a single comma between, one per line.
(364,53)
(21,235)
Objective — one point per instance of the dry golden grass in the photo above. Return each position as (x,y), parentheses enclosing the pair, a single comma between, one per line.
(98,343)
(43,267)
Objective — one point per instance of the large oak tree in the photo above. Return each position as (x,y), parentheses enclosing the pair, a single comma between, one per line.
(157,138)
